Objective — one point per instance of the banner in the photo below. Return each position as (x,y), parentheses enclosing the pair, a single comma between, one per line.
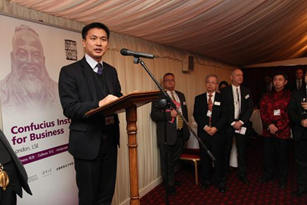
(31,56)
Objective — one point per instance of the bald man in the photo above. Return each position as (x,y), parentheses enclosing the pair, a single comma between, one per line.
(28,86)
(238,104)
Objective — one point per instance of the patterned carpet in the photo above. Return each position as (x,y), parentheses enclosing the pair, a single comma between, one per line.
(237,193)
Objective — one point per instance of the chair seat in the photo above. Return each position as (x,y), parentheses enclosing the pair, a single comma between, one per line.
(189,156)
(193,155)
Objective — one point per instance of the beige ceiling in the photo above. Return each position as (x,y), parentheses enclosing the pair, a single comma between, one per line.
(239,32)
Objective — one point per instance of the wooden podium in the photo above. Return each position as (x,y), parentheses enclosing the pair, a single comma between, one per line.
(129,103)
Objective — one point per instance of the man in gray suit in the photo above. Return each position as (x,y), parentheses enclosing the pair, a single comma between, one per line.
(177,131)
(16,173)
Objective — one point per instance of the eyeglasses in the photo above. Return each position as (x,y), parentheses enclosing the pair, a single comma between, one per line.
(169,80)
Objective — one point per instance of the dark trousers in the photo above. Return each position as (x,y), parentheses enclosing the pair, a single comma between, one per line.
(217,147)
(241,142)
(228,146)
(96,178)
(174,153)
(276,151)
(301,160)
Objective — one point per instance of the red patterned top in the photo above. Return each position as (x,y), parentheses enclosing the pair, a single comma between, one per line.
(273,110)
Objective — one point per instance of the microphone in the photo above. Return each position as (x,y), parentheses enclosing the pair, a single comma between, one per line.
(126,52)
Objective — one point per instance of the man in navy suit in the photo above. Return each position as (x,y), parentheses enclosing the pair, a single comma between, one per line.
(18,178)
(211,123)
(177,131)
(85,85)
(238,104)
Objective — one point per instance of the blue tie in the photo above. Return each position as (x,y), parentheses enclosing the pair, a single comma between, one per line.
(99,68)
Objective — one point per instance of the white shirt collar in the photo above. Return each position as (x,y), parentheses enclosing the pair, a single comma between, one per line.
(92,62)
(234,87)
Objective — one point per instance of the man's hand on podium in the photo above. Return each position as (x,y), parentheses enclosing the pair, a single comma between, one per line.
(107,99)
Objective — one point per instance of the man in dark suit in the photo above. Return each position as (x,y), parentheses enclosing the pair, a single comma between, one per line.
(211,123)
(177,132)
(85,85)
(238,104)
(16,173)
(299,81)
(297,111)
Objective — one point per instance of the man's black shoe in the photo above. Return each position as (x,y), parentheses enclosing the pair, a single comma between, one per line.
(177,183)
(264,179)
(172,190)
(298,193)
(244,180)
(222,189)
(205,186)
(282,185)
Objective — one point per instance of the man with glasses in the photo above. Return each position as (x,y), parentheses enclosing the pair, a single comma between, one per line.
(211,123)
(177,131)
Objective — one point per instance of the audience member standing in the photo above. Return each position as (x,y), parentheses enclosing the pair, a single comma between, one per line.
(177,131)
(223,84)
(211,122)
(298,115)
(299,82)
(276,132)
(238,104)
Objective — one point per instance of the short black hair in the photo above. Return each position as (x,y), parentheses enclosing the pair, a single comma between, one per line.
(299,69)
(281,73)
(95,25)
(223,83)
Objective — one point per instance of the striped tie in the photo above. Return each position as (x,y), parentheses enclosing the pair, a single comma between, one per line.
(210,105)
(99,66)
(178,118)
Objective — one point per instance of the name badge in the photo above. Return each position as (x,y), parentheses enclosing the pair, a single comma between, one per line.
(217,103)
(277,112)
(241,131)
(209,113)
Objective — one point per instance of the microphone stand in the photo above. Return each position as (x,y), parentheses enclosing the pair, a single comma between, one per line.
(163,103)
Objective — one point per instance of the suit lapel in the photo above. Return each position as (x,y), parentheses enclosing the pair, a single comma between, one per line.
(180,97)
(206,101)
(4,156)
(87,71)
(231,101)
(243,94)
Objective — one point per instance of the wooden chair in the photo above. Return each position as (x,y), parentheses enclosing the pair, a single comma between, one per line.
(192,155)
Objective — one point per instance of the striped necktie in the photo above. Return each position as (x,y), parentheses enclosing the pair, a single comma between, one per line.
(178,118)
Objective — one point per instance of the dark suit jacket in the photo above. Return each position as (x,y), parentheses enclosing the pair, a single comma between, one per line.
(247,105)
(218,118)
(7,155)
(292,85)
(78,94)
(158,116)
(295,112)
